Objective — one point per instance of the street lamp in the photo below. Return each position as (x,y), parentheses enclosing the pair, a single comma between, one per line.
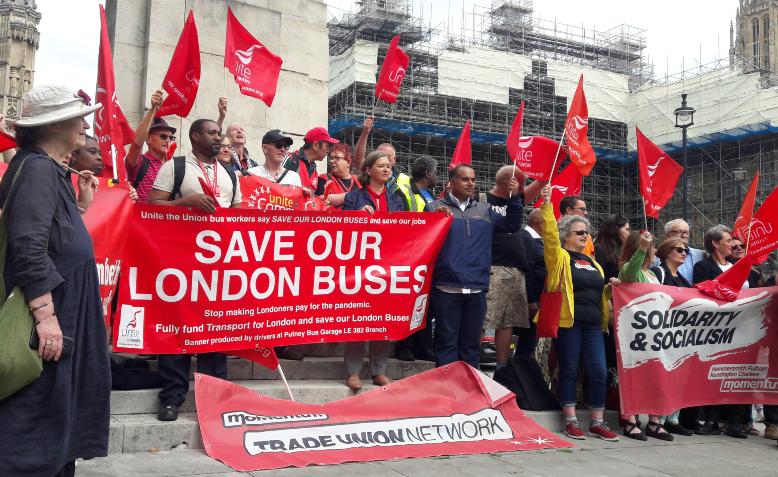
(684,117)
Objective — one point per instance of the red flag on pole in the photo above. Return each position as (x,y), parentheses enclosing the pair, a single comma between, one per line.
(659,174)
(183,75)
(567,182)
(264,356)
(112,130)
(390,79)
(512,144)
(741,229)
(463,152)
(254,68)
(763,238)
(535,156)
(576,130)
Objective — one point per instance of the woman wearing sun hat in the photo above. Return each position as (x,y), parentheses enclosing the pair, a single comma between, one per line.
(64,414)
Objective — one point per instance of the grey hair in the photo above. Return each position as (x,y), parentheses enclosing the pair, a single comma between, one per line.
(669,225)
(566,222)
(714,234)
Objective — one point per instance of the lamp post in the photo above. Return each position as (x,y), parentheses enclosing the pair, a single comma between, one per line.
(684,117)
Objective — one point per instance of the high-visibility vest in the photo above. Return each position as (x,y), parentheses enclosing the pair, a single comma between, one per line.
(416,202)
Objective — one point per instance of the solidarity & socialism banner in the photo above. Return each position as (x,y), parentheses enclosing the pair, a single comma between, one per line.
(680,348)
(194,282)
(471,415)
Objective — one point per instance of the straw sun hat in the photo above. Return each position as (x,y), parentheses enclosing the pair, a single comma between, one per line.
(53,103)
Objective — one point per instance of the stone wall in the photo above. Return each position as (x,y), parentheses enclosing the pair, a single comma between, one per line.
(144,34)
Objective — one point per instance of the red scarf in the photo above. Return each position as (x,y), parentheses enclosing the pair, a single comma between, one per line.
(380,200)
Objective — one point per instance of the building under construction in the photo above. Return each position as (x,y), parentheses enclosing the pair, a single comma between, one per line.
(503,55)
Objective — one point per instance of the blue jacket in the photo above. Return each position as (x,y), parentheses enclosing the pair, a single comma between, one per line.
(466,256)
(358,198)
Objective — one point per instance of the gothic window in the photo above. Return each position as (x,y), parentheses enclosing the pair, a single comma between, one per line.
(755,40)
(766,42)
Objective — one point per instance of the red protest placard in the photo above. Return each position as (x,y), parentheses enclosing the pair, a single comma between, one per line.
(471,415)
(677,347)
(236,279)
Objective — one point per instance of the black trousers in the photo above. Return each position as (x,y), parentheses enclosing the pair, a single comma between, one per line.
(174,370)
(771,414)
(420,342)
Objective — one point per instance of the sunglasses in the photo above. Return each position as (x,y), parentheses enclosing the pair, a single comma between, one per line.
(165,137)
(281,146)
(680,250)
(738,247)
(581,233)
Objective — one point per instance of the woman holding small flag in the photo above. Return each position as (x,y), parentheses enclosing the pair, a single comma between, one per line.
(583,316)
(341,181)
(636,256)
(373,197)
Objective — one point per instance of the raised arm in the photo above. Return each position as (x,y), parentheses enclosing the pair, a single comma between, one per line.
(222,105)
(360,150)
(142,132)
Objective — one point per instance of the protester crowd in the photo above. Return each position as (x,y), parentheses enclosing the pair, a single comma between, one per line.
(489,274)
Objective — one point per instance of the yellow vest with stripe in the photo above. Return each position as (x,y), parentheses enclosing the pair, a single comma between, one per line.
(416,202)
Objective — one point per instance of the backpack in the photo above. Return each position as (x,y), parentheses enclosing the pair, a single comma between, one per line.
(523,377)
(142,171)
(179,170)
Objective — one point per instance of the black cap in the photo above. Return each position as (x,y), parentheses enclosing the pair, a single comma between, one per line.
(160,123)
(276,137)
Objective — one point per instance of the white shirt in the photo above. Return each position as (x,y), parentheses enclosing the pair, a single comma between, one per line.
(291,178)
(532,232)
(461,205)
(191,183)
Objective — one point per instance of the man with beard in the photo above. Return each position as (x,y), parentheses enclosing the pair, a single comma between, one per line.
(178,183)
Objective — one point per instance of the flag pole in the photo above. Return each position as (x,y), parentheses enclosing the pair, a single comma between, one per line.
(286,383)
(561,141)
(748,239)
(375,101)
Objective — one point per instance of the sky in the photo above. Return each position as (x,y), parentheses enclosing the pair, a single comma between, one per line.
(677,31)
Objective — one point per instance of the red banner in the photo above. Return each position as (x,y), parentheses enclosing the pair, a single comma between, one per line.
(243,278)
(254,68)
(678,348)
(567,182)
(463,152)
(659,174)
(183,75)
(471,415)
(264,194)
(107,221)
(392,74)
(6,141)
(535,156)
(112,130)
(576,130)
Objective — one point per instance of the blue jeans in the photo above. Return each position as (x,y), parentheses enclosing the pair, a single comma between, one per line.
(458,321)
(583,341)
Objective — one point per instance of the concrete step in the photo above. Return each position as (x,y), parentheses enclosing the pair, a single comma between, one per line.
(144,433)
(315,391)
(310,368)
(322,349)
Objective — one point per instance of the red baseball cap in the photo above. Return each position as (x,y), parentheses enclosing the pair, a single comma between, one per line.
(319,134)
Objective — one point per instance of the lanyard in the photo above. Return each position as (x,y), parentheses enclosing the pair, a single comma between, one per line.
(343,186)
(214,185)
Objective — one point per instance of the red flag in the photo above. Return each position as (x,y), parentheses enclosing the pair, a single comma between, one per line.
(463,153)
(183,74)
(112,130)
(512,145)
(659,174)
(741,229)
(763,238)
(171,149)
(576,129)
(567,182)
(727,285)
(6,141)
(392,74)
(254,68)
(535,156)
(264,356)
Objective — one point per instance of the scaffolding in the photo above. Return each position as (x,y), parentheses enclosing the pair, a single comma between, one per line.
(427,121)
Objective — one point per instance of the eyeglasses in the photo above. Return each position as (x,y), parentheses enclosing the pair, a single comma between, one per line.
(337,158)
(680,250)
(582,209)
(581,233)
(738,247)
(679,232)
(166,137)
(225,146)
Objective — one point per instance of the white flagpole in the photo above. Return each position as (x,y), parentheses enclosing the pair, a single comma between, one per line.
(286,383)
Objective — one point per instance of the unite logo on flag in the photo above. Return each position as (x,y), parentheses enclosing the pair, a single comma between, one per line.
(417,318)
